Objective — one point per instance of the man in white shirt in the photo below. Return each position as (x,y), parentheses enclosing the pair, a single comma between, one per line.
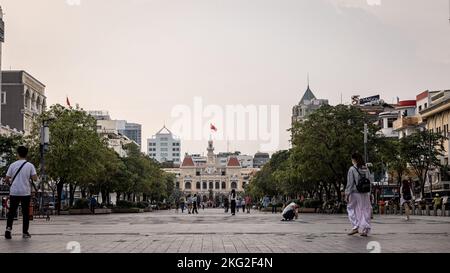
(290,211)
(18,176)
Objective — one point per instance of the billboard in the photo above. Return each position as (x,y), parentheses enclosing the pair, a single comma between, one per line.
(356,100)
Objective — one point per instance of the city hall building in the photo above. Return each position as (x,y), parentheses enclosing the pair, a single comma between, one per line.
(213,178)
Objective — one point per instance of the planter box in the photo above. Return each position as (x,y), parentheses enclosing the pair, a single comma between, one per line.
(102,211)
(130,210)
(148,210)
(79,211)
(307,210)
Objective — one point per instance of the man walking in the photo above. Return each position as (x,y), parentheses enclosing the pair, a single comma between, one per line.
(18,176)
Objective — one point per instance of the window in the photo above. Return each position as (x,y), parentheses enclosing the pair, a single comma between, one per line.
(197,173)
(175,154)
(164,139)
(391,122)
(204,184)
(233,185)
(164,144)
(175,159)
(211,185)
(197,185)
(223,173)
(3,98)
(224,185)
(163,149)
(164,155)
(425,105)
(420,108)
(217,185)
(177,185)
(187,185)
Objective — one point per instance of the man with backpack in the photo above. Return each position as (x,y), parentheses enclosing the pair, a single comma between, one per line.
(357,195)
(18,177)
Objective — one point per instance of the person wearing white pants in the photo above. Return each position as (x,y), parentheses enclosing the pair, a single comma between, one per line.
(359,207)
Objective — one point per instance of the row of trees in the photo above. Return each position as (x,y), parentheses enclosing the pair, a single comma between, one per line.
(318,163)
(78,158)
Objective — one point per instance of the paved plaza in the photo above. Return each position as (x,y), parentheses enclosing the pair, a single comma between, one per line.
(214,231)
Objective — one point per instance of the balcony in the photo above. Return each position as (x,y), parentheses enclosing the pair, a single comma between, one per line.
(405,122)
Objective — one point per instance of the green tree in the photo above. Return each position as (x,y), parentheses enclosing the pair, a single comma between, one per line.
(323,144)
(75,148)
(422,151)
(8,146)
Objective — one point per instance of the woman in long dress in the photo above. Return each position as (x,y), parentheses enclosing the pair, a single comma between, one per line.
(359,207)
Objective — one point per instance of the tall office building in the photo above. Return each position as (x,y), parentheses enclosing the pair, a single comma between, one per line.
(164,147)
(133,131)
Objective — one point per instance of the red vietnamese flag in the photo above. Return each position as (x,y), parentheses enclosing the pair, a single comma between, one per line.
(68,102)
(213,127)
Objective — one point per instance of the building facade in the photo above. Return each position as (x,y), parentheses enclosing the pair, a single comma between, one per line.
(133,131)
(307,105)
(23,99)
(215,178)
(437,119)
(111,130)
(164,147)
(260,159)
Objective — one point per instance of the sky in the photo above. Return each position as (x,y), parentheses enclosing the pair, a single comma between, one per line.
(141,59)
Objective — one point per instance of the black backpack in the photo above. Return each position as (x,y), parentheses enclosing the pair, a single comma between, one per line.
(363,185)
(407,194)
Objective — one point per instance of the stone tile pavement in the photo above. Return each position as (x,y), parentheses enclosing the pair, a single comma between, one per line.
(212,231)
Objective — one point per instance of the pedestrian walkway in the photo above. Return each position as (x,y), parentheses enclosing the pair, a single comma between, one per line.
(214,231)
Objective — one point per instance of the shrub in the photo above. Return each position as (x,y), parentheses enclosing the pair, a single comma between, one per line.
(124,204)
(81,204)
(313,204)
(142,205)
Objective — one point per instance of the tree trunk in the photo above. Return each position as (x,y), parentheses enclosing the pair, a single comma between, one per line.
(59,189)
(83,192)
(72,194)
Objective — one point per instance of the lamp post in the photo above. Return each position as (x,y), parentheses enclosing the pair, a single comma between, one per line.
(45,139)
(366,131)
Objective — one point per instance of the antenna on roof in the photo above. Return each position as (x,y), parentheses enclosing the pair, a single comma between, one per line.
(308,79)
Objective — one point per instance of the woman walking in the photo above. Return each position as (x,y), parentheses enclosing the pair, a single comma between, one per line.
(406,196)
(358,203)
(233,201)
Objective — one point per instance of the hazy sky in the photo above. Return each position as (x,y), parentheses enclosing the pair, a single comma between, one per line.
(139,58)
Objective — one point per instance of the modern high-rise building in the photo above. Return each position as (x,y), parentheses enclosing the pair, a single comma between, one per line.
(164,147)
(133,131)
(23,99)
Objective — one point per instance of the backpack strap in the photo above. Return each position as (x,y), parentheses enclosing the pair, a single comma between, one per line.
(18,171)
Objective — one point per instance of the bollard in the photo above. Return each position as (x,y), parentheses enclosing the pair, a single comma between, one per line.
(413,208)
(427,210)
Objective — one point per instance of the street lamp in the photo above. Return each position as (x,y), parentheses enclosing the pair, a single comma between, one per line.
(45,140)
